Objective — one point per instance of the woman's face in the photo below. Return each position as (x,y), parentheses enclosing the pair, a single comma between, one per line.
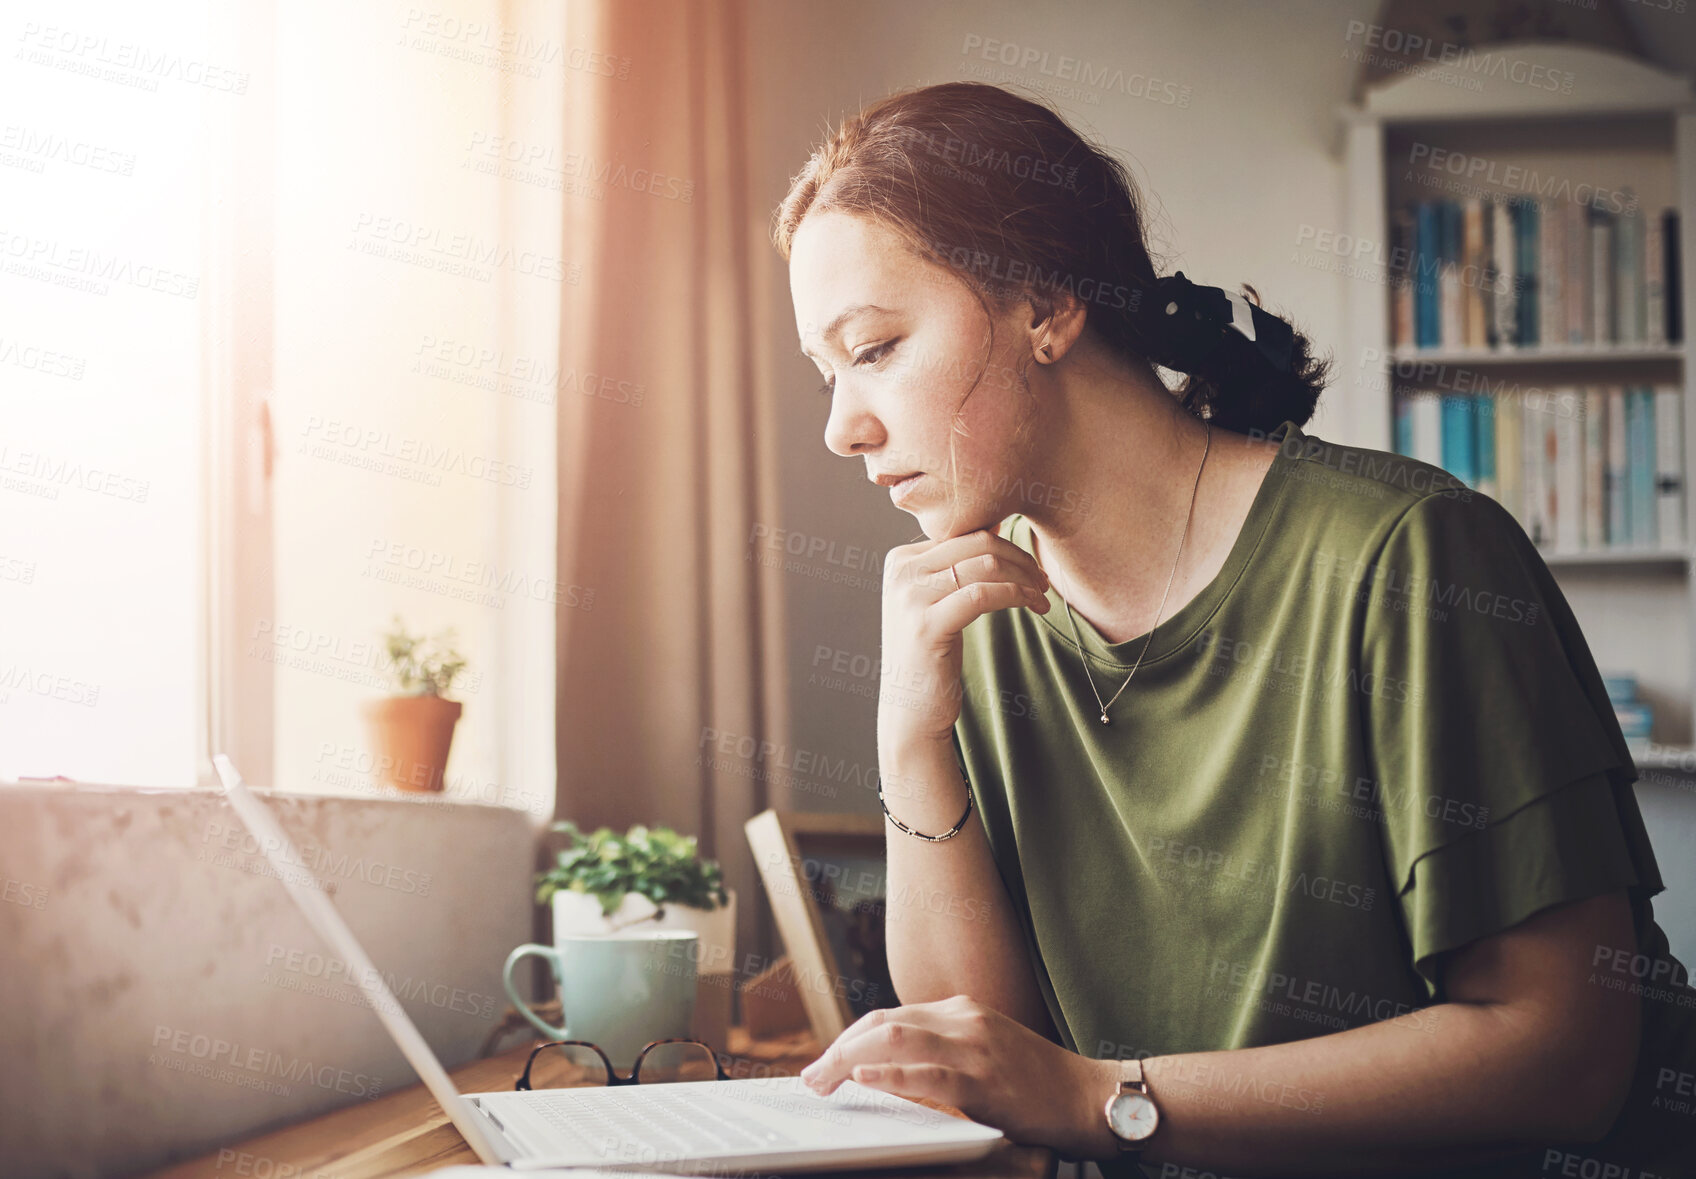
(901,341)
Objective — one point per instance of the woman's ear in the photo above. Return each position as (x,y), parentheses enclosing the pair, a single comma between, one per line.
(1055,326)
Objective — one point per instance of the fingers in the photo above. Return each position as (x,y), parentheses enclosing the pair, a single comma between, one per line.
(935,1081)
(985,555)
(975,598)
(894,1039)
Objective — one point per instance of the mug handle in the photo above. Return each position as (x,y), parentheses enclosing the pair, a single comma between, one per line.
(512,960)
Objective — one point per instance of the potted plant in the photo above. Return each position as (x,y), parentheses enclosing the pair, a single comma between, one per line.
(605,881)
(412,730)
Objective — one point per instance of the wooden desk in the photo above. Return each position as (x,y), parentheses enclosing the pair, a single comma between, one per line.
(406,1133)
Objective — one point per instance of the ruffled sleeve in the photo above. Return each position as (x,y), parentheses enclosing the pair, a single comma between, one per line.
(1501,772)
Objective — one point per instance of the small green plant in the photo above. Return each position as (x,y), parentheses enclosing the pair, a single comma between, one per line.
(422,666)
(656,862)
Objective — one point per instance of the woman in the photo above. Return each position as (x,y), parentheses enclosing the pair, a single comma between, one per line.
(1326,859)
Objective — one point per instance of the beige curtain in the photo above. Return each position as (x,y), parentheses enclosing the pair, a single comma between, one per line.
(658,499)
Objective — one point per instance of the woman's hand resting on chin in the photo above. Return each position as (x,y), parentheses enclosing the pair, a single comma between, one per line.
(991,1068)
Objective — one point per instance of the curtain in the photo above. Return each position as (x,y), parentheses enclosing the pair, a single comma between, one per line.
(663,440)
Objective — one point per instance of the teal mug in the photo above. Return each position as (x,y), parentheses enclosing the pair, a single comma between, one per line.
(617,990)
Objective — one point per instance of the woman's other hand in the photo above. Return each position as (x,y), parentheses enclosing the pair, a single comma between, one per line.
(991,1068)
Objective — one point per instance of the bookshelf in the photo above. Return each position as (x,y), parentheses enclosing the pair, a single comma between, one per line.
(1622,125)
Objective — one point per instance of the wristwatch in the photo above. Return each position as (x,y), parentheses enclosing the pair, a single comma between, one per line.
(1131,1113)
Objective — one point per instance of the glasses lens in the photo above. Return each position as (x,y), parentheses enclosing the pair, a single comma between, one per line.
(567,1066)
(677,1062)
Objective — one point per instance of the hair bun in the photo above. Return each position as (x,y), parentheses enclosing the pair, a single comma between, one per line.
(1205,330)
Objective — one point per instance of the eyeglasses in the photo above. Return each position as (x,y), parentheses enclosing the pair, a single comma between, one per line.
(577,1064)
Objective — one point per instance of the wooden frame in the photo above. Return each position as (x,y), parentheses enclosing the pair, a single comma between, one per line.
(794,853)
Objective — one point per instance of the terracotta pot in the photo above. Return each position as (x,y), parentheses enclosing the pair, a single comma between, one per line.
(411,736)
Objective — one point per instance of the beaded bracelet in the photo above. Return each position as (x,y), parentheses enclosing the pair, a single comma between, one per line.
(948,834)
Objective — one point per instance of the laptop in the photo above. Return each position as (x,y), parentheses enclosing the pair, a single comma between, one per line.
(685,1127)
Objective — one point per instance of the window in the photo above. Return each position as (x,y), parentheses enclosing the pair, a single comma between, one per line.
(272,372)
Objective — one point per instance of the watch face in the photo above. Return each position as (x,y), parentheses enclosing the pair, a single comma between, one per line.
(1132,1116)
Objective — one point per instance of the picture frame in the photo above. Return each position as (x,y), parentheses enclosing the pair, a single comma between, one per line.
(826,877)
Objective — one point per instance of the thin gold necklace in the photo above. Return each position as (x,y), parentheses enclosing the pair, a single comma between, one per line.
(1185,536)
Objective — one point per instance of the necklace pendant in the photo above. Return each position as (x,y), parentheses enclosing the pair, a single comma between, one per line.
(1103,718)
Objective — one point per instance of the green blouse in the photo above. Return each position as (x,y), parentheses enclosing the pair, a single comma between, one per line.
(1376,736)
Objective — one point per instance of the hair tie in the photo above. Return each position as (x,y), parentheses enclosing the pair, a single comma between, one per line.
(1217,333)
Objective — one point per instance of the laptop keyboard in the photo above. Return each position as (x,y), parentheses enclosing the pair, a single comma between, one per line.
(661,1121)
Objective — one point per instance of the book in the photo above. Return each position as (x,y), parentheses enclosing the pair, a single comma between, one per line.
(1460,439)
(1503,276)
(1526,280)
(1669,464)
(1534,474)
(1619,505)
(1511,488)
(1578,250)
(1671,278)
(1595,467)
(1628,270)
(1427,426)
(1402,438)
(1552,266)
(1568,508)
(1472,291)
(1601,276)
(1654,292)
(1451,331)
(1401,278)
(1425,263)
(1484,430)
(1640,459)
